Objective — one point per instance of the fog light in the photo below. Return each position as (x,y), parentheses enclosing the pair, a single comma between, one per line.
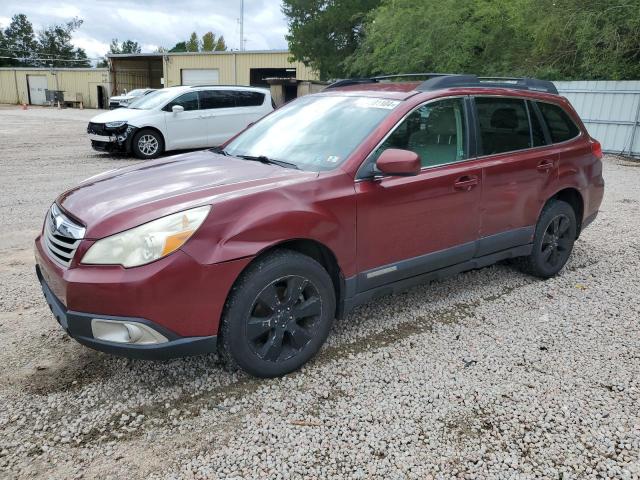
(125,332)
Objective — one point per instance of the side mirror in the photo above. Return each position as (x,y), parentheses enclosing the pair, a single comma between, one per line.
(177,109)
(400,163)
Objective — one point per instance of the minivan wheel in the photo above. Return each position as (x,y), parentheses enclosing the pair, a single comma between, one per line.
(278,315)
(147,144)
(553,240)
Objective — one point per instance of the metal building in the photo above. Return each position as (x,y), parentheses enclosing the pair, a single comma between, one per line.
(128,71)
(28,85)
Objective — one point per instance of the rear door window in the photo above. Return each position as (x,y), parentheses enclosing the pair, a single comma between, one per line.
(560,125)
(248,99)
(189,101)
(504,125)
(217,99)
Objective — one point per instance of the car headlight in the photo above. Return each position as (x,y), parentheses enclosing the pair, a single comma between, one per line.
(115,124)
(148,242)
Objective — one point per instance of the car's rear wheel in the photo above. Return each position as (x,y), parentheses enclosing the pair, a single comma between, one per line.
(147,144)
(553,240)
(278,315)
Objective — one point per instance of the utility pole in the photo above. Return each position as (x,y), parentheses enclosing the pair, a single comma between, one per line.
(241,25)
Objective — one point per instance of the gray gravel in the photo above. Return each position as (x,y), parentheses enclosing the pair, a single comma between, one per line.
(491,374)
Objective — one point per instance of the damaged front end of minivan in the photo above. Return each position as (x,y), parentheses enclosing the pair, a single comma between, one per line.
(111,136)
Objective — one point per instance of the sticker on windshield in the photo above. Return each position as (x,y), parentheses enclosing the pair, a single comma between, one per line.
(333,159)
(385,103)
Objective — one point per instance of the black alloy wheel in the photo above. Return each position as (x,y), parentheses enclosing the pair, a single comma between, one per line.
(278,314)
(553,240)
(556,244)
(284,318)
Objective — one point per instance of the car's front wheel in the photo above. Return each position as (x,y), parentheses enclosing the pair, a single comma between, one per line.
(147,144)
(278,315)
(553,240)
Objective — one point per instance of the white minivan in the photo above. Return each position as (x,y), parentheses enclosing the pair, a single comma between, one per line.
(177,118)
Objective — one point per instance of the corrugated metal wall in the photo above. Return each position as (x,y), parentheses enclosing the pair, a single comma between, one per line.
(610,110)
(14,87)
(234,67)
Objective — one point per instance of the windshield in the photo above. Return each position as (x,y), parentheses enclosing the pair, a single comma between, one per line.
(136,92)
(153,100)
(314,133)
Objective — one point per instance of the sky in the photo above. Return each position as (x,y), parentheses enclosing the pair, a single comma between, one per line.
(154,23)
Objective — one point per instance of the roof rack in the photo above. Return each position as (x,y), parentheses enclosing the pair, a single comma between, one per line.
(457,81)
(437,81)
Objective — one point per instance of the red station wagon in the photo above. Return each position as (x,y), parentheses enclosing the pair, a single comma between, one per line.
(367,188)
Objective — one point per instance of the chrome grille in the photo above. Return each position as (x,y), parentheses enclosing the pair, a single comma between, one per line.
(61,236)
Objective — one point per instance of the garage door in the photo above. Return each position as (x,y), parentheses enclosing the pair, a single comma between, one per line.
(199,76)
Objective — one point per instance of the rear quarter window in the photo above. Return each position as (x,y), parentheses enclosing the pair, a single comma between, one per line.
(561,126)
(249,99)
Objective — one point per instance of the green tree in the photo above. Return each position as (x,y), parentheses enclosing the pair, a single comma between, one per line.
(212,44)
(193,44)
(18,42)
(179,47)
(114,47)
(587,39)
(221,45)
(129,46)
(55,47)
(208,42)
(573,39)
(323,33)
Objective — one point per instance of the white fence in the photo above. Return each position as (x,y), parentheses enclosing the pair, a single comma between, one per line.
(610,110)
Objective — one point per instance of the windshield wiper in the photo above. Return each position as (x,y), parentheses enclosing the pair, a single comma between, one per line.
(269,161)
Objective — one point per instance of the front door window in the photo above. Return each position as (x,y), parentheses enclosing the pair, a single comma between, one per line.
(435,131)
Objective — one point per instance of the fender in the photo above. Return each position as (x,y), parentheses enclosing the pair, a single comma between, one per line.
(579,170)
(323,211)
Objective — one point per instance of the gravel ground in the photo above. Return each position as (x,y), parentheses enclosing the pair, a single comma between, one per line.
(491,374)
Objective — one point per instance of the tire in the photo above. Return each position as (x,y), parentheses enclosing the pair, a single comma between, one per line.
(278,315)
(147,144)
(553,240)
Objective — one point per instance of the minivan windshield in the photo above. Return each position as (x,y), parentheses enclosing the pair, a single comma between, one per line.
(137,92)
(153,100)
(314,132)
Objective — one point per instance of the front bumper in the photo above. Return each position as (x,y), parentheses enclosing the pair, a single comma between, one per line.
(176,295)
(78,326)
(111,140)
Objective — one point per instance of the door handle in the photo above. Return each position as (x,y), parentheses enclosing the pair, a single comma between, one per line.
(545,165)
(466,182)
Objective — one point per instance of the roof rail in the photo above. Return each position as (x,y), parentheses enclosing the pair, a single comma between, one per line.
(437,81)
(456,81)
(350,81)
(378,78)
(411,75)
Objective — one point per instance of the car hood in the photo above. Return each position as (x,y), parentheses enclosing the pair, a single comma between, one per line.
(124,198)
(119,115)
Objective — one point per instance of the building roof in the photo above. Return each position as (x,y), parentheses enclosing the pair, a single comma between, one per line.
(58,69)
(161,54)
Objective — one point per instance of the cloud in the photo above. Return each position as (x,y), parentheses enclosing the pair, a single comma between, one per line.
(156,23)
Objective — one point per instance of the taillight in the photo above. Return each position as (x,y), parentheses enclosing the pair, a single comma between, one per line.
(596,149)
